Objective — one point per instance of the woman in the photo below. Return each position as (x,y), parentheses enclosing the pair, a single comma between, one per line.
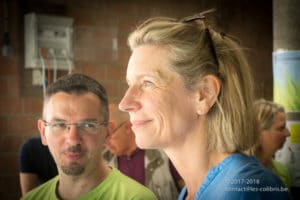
(190,94)
(273,133)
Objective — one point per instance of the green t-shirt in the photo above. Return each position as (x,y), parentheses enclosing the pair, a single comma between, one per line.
(116,186)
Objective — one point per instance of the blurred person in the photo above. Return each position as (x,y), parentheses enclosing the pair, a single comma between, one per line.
(151,168)
(74,127)
(190,94)
(273,133)
(36,164)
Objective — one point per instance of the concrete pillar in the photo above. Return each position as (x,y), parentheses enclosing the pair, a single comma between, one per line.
(286,73)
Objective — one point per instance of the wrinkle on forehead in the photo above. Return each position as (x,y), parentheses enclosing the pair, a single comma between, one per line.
(155,62)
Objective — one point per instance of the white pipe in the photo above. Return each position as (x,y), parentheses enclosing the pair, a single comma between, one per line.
(43,73)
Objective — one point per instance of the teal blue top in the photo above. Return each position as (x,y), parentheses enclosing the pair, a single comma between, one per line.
(240,177)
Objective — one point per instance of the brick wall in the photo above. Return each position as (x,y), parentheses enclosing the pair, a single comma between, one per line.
(96,23)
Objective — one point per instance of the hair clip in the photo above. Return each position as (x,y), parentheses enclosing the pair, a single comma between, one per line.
(211,46)
(222,34)
(197,16)
(193,18)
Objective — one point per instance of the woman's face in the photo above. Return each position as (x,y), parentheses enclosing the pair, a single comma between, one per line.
(162,111)
(274,137)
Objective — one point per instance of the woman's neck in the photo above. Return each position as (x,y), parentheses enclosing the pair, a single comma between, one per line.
(193,162)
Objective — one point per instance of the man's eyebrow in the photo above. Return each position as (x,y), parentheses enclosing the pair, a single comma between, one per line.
(58,119)
(83,120)
(89,120)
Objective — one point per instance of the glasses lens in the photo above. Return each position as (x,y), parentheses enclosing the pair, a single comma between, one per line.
(58,127)
(88,127)
(83,127)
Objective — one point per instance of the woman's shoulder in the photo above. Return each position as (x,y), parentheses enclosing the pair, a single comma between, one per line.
(247,177)
(250,171)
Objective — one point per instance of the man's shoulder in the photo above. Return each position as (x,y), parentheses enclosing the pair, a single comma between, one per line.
(120,186)
(44,191)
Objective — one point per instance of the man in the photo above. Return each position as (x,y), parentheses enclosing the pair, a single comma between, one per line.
(74,126)
(151,167)
(36,164)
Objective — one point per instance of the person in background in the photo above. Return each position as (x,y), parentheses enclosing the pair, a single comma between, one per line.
(36,164)
(273,133)
(74,127)
(190,94)
(151,168)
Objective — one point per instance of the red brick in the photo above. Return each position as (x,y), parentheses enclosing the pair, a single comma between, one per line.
(123,88)
(9,87)
(10,143)
(116,73)
(3,124)
(9,163)
(10,106)
(95,72)
(22,125)
(13,88)
(32,105)
(124,56)
(3,87)
(10,185)
(112,88)
(8,67)
(82,16)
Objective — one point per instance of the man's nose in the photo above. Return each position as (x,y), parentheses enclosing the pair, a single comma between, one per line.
(73,134)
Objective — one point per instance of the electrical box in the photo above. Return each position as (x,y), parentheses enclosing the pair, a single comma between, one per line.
(48,41)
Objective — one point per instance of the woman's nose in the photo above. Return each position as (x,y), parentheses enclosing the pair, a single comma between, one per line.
(130,100)
(287,132)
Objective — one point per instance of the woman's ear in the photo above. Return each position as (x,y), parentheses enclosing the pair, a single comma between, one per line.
(42,131)
(208,91)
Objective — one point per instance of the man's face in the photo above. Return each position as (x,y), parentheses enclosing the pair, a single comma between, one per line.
(76,148)
(118,140)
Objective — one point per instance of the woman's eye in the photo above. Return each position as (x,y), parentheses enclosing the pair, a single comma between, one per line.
(148,84)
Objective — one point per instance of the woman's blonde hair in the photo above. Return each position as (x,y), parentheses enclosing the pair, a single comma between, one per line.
(196,50)
(265,112)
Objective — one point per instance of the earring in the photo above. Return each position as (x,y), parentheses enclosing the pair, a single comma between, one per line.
(199,112)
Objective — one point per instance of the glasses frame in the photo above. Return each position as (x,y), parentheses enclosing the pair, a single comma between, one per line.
(79,125)
(118,127)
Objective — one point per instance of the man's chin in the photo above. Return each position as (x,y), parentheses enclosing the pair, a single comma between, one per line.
(73,169)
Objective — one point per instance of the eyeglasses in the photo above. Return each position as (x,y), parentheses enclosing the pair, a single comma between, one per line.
(210,43)
(59,127)
(118,127)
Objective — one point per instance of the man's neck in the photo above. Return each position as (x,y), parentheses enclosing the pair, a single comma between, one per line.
(72,187)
